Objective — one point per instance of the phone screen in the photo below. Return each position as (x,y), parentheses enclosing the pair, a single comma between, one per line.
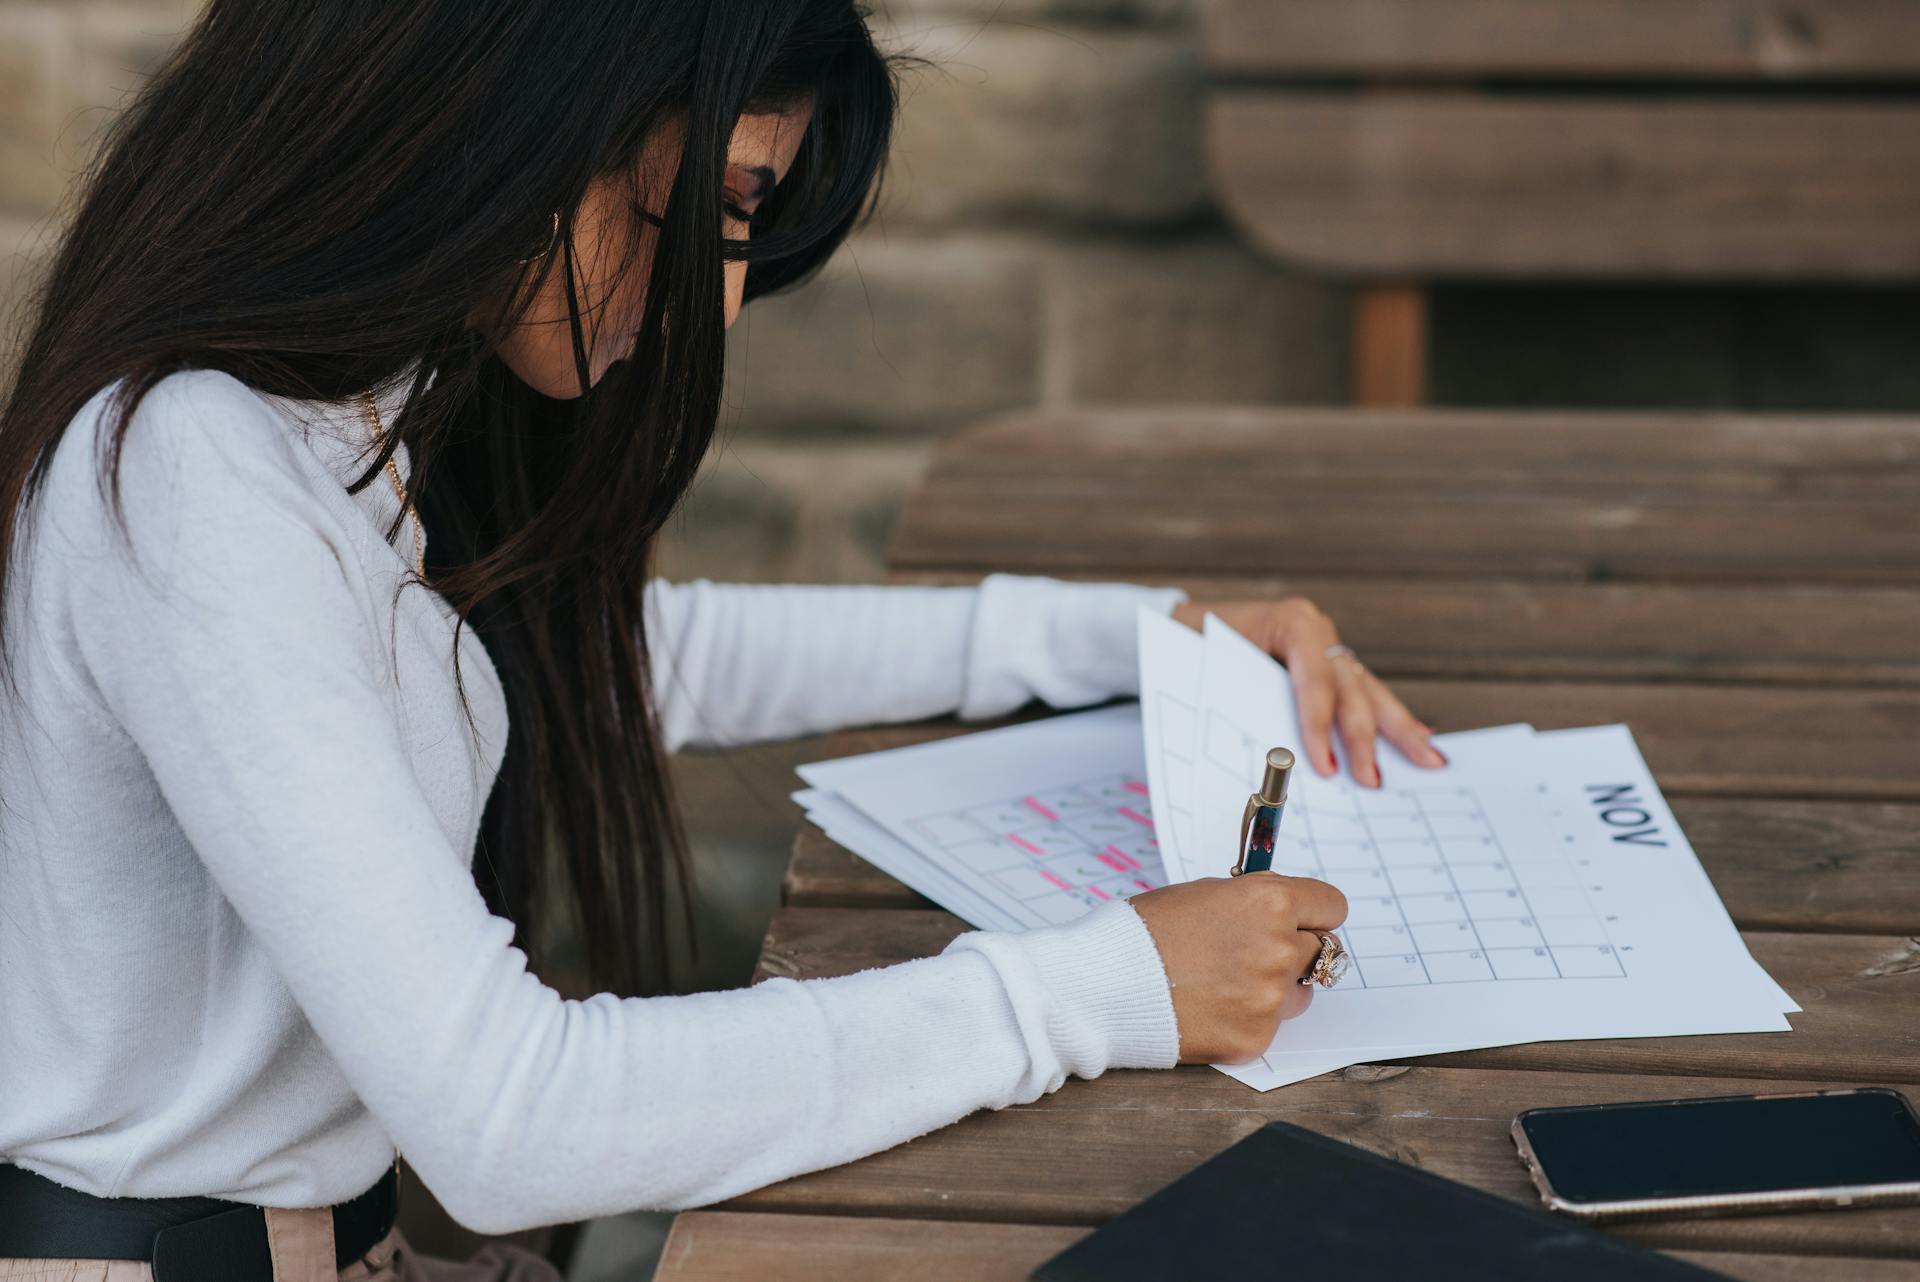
(1685,1148)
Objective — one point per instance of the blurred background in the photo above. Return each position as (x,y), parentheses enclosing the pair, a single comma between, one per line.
(1052,236)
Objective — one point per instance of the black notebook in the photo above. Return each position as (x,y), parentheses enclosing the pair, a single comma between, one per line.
(1286,1202)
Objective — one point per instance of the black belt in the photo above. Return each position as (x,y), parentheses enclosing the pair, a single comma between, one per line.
(187,1239)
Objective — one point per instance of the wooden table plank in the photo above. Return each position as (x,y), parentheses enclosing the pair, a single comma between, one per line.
(1699,740)
(1627,38)
(821,873)
(1803,1268)
(1421,184)
(1854,988)
(1509,628)
(1208,530)
(722,1246)
(1715,740)
(1127,451)
(1092,1149)
(748,1246)
(1811,866)
(1839,867)
(1717,499)
(1714,499)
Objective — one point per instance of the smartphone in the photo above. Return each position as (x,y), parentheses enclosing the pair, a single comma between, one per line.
(1727,1155)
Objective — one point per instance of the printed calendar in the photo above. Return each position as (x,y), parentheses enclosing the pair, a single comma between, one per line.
(1537,888)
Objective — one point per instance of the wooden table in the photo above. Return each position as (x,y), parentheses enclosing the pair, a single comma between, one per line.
(1744,592)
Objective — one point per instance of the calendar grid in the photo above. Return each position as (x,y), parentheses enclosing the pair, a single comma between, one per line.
(1433,835)
(1059,852)
(1520,886)
(1437,892)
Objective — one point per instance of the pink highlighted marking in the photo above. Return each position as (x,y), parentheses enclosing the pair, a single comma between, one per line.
(1034,804)
(1136,816)
(1131,786)
(1055,880)
(1026,845)
(1127,862)
(1117,863)
(1144,885)
(1098,893)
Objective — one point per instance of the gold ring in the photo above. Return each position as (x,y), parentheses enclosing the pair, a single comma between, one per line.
(1330,965)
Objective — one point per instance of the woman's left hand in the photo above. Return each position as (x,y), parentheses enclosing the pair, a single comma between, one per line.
(1332,692)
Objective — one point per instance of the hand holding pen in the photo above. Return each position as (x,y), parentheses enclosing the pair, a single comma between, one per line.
(1236,950)
(1259,829)
(1243,953)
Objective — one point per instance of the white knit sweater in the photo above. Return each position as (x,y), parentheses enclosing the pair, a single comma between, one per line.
(242,953)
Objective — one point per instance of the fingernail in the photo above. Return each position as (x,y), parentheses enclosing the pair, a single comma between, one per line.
(1375,772)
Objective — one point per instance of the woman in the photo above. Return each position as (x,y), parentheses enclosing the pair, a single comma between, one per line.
(348,274)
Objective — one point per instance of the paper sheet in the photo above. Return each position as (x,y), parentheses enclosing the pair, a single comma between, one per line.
(1043,821)
(846,825)
(1171,657)
(1537,888)
(1172,680)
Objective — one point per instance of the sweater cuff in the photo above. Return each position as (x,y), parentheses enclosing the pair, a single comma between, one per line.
(1107,999)
(1069,644)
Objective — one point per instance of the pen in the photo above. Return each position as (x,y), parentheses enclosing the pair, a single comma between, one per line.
(1261,822)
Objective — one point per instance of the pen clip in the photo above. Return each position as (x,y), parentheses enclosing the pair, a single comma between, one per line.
(1246,828)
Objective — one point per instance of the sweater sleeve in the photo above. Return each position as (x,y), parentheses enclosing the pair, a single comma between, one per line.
(234,647)
(739,663)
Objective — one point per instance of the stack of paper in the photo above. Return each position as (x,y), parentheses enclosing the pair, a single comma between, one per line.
(1025,826)
(1537,888)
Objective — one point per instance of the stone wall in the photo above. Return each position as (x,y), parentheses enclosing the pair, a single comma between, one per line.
(1045,238)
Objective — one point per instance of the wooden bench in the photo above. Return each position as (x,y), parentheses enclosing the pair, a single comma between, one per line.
(1767,666)
(1397,142)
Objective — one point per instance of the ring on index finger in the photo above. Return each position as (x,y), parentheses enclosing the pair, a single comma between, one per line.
(1330,965)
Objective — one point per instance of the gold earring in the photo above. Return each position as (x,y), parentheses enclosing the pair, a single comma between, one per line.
(553,238)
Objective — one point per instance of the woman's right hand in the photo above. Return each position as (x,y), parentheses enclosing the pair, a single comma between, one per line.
(1235,949)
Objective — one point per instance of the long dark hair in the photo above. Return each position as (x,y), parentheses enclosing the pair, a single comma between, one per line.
(319,196)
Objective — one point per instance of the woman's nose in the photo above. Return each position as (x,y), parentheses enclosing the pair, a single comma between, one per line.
(736,288)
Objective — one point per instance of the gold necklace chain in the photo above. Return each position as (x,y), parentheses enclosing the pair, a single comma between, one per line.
(371,412)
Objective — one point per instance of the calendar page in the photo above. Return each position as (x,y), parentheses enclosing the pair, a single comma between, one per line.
(1041,821)
(1002,850)
(1538,887)
(1056,852)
